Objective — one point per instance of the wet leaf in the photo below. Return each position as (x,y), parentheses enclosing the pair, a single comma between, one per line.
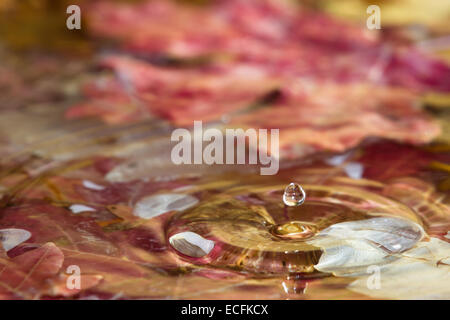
(35,273)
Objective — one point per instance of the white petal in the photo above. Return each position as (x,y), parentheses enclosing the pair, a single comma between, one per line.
(420,273)
(156,205)
(11,238)
(393,234)
(337,159)
(77,208)
(350,258)
(350,247)
(191,244)
(433,251)
(354,170)
(91,185)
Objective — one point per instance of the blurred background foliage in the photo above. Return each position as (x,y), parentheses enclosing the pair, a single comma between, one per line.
(41,23)
(28,26)
(434,14)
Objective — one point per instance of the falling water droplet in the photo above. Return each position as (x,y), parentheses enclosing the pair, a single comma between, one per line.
(294,195)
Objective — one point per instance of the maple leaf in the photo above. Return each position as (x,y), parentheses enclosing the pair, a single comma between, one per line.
(35,273)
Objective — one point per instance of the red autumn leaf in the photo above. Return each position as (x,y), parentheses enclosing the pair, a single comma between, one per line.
(278,37)
(337,87)
(35,273)
(383,161)
(337,117)
(48,223)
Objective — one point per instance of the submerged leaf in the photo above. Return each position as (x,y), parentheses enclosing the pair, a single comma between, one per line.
(352,246)
(421,273)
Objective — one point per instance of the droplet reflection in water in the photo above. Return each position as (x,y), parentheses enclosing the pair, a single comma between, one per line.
(294,195)
(294,284)
(294,230)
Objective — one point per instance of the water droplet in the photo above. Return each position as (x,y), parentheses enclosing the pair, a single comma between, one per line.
(294,195)
(191,244)
(252,232)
